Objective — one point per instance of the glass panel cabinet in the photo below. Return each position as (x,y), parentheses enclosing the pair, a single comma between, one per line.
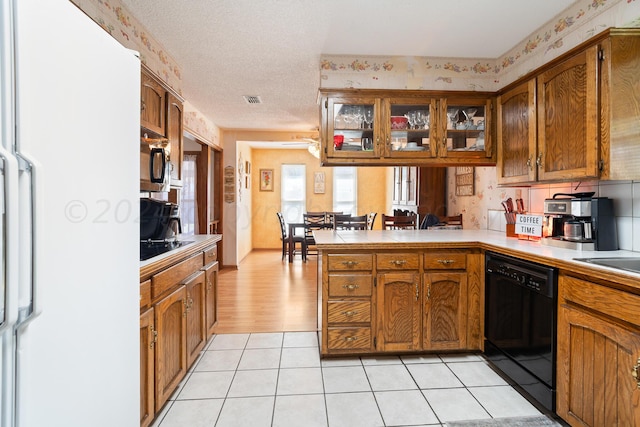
(386,127)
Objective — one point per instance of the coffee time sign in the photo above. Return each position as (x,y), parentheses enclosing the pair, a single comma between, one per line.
(529,225)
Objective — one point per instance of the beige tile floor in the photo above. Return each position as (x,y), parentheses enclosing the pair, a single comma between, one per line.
(278,379)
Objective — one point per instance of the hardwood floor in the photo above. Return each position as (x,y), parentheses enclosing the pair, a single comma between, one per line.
(266,294)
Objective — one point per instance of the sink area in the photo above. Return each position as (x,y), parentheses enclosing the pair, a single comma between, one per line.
(622,263)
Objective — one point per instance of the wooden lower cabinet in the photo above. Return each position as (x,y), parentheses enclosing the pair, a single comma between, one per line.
(171,345)
(398,311)
(196,328)
(147,367)
(598,368)
(211,296)
(401,301)
(445,311)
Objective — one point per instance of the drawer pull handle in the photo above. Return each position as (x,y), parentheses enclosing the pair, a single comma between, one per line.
(351,287)
(398,262)
(350,263)
(350,339)
(446,261)
(349,313)
(635,374)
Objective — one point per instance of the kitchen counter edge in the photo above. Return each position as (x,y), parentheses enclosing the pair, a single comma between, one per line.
(486,240)
(161,262)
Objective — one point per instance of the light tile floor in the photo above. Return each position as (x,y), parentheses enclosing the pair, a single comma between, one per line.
(278,379)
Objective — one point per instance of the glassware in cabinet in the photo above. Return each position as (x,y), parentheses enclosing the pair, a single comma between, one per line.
(352,128)
(465,128)
(410,128)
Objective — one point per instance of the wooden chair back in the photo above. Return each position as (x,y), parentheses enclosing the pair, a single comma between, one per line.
(349,222)
(371,219)
(453,220)
(393,222)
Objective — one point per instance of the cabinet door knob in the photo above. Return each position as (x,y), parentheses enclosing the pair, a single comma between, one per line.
(350,287)
(349,313)
(350,263)
(539,160)
(398,262)
(529,163)
(350,339)
(445,261)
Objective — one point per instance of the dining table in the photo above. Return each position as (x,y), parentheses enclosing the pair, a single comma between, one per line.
(293,226)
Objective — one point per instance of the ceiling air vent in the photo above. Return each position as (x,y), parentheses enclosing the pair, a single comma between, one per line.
(252,99)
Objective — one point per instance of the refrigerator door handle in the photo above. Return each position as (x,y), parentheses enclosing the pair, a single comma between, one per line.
(11,236)
(31,166)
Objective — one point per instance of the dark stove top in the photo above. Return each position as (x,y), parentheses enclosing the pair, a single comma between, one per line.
(152,248)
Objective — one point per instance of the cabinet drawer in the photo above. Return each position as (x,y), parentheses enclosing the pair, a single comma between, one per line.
(353,285)
(349,338)
(445,261)
(400,261)
(350,262)
(210,255)
(145,293)
(612,302)
(349,311)
(174,275)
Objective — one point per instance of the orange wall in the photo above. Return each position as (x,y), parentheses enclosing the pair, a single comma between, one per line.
(372,183)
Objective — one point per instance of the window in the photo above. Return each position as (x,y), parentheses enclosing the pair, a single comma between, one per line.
(294,185)
(345,184)
(188,208)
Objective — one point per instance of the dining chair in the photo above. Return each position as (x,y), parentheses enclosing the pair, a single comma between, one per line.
(371,219)
(398,222)
(350,222)
(295,239)
(453,220)
(328,216)
(312,221)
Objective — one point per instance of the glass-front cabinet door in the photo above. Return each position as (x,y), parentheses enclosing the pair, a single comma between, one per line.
(465,128)
(353,128)
(409,128)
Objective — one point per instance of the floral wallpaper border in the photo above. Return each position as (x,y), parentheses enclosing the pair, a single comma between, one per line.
(115,19)
(577,24)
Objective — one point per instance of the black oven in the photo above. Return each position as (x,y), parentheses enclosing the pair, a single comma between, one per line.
(520,324)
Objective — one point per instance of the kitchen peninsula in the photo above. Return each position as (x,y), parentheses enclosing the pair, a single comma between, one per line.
(420,291)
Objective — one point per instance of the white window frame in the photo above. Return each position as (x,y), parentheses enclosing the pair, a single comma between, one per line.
(345,190)
(293,194)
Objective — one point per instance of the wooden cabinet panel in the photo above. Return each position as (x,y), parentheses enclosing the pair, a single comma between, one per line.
(167,279)
(145,294)
(445,311)
(349,338)
(152,105)
(398,261)
(211,297)
(196,329)
(355,262)
(350,285)
(399,311)
(516,136)
(598,354)
(147,367)
(349,311)
(445,261)
(568,126)
(171,346)
(175,135)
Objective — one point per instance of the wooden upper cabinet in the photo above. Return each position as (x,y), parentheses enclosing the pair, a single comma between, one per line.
(153,104)
(405,127)
(174,133)
(516,134)
(568,126)
(620,104)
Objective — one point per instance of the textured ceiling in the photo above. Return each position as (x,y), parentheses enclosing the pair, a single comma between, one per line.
(272,48)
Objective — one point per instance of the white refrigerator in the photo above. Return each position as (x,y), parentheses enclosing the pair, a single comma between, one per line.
(69,173)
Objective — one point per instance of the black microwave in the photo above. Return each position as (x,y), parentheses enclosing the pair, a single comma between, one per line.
(155,168)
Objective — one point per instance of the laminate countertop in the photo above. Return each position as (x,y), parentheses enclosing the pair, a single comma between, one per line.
(535,251)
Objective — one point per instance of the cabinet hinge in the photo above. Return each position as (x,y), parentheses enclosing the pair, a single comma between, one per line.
(600,165)
(375,282)
(326,103)
(601,55)
(375,342)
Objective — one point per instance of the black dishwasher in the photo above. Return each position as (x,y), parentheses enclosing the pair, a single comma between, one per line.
(520,323)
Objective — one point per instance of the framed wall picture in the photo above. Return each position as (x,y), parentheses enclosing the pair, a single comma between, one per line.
(266,179)
(465,181)
(318,182)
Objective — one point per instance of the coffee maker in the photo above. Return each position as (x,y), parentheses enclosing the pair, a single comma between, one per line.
(580,221)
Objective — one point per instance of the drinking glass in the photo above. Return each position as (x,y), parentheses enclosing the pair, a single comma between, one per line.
(452,115)
(411,118)
(368,117)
